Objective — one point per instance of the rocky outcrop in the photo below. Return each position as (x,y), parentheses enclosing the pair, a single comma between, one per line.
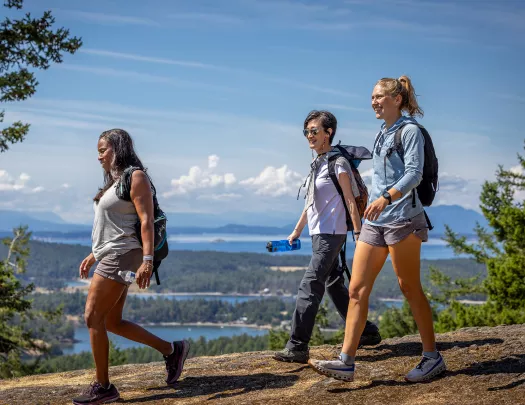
(485,366)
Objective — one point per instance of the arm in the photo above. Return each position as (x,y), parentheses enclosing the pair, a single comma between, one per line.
(303,219)
(86,265)
(344,181)
(414,156)
(142,199)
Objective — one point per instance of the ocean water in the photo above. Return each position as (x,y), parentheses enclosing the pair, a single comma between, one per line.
(169,333)
(434,249)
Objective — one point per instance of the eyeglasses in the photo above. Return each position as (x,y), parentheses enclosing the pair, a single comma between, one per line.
(313,131)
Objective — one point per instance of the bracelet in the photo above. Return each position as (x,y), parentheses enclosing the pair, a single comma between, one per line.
(357,233)
(147,258)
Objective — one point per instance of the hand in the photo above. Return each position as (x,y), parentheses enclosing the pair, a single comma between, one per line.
(293,236)
(86,265)
(143,274)
(373,211)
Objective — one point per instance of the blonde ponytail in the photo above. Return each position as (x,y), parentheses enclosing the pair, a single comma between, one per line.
(409,103)
(403,86)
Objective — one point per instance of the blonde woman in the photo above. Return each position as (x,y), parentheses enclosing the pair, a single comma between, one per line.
(395,225)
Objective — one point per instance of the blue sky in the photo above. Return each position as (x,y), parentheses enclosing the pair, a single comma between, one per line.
(214,94)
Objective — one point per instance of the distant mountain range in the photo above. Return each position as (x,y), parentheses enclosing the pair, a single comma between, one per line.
(462,220)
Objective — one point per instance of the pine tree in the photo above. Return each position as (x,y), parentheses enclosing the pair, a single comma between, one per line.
(28,43)
(501,248)
(13,338)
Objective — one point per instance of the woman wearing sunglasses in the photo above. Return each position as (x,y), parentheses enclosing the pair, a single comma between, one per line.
(325,214)
(396,225)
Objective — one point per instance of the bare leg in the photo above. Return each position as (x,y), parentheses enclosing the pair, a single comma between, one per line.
(129,330)
(406,262)
(102,296)
(368,262)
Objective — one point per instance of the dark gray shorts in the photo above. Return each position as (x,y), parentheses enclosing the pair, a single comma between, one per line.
(112,263)
(391,234)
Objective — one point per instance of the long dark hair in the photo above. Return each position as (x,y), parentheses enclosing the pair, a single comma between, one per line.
(124,157)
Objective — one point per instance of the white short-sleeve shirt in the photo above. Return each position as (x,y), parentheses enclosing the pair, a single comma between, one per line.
(327,213)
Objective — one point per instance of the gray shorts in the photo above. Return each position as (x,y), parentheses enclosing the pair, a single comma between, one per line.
(391,234)
(112,263)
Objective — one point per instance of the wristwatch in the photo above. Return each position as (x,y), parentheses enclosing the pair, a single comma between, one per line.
(387,195)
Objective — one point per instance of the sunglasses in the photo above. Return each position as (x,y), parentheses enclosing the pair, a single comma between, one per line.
(313,131)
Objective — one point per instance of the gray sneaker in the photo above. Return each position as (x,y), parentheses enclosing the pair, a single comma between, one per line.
(427,369)
(292,356)
(334,368)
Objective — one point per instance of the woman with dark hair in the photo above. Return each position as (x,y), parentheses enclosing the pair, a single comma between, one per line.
(325,214)
(116,247)
(395,225)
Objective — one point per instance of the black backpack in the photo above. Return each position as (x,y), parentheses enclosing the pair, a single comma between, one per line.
(160,242)
(354,155)
(427,189)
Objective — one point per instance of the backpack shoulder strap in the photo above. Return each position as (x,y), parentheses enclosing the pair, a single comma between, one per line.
(333,176)
(398,142)
(124,184)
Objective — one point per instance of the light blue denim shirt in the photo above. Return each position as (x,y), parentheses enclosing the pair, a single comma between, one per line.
(392,172)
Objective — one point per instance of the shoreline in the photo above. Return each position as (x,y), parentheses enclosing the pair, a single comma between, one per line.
(146,293)
(221,325)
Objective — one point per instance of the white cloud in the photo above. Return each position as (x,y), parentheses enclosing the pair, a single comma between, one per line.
(143,77)
(207,18)
(191,64)
(274,182)
(141,58)
(457,190)
(9,183)
(220,197)
(107,19)
(201,180)
(213,161)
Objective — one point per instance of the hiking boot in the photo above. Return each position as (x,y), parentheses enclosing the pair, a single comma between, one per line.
(370,336)
(96,394)
(292,356)
(427,369)
(334,368)
(175,361)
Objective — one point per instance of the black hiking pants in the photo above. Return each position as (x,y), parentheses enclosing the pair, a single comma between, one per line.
(319,276)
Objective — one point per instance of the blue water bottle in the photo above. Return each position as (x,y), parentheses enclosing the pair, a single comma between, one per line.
(283,245)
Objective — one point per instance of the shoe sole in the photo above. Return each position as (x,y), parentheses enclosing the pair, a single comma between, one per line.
(438,371)
(104,401)
(328,373)
(285,360)
(182,360)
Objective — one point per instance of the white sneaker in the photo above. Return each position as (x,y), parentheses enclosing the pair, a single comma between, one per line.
(427,369)
(333,368)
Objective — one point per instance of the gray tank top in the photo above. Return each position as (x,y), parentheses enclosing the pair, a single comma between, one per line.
(114,226)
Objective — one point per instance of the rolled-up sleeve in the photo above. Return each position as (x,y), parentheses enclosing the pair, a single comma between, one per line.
(414,157)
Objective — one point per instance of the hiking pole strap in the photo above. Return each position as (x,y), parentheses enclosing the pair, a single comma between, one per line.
(156,272)
(343,260)
(430,227)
